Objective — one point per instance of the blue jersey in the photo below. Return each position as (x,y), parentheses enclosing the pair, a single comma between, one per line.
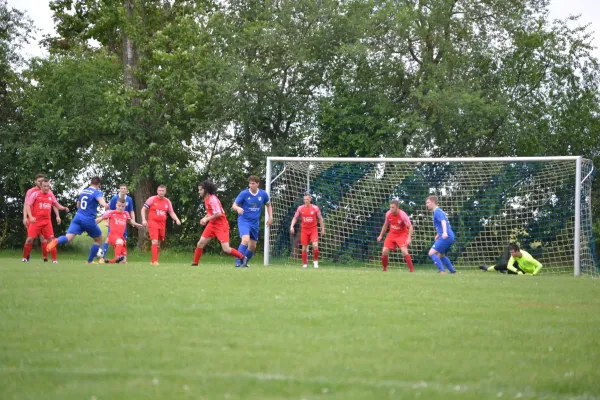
(128,203)
(88,203)
(438,217)
(252,204)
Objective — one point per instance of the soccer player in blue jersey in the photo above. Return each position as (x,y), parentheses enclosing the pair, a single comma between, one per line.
(248,205)
(128,208)
(443,238)
(85,219)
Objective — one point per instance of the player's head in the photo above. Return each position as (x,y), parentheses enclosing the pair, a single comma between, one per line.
(515,250)
(253,182)
(45,186)
(307,199)
(394,205)
(123,190)
(39,178)
(121,203)
(431,202)
(206,188)
(95,181)
(161,191)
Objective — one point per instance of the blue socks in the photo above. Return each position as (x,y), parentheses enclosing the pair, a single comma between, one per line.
(437,262)
(249,254)
(93,251)
(242,249)
(446,261)
(105,247)
(62,240)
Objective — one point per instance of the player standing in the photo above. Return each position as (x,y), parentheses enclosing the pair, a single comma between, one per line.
(520,263)
(248,204)
(118,220)
(85,219)
(128,208)
(400,235)
(308,229)
(39,212)
(443,238)
(157,208)
(39,178)
(216,223)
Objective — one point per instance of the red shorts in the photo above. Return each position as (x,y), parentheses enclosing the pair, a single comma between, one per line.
(393,241)
(157,231)
(41,227)
(112,240)
(308,236)
(220,232)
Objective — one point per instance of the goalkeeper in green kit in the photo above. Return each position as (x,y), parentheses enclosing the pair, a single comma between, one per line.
(520,263)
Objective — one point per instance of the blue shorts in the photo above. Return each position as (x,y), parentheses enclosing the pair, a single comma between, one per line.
(443,245)
(124,233)
(80,225)
(248,228)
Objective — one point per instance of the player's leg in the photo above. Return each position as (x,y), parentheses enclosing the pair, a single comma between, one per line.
(314,238)
(204,240)
(75,228)
(304,240)
(32,233)
(156,236)
(407,257)
(252,242)
(118,245)
(385,256)
(442,246)
(48,233)
(106,243)
(44,247)
(244,229)
(447,263)
(233,252)
(93,231)
(435,257)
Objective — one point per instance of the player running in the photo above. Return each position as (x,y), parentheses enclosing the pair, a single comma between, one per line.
(520,263)
(216,224)
(85,219)
(308,229)
(248,205)
(39,216)
(118,220)
(157,208)
(128,208)
(401,230)
(443,238)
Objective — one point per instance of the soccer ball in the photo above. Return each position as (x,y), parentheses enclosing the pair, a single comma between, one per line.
(100,253)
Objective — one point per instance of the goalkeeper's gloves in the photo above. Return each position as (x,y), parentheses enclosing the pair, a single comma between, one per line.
(519,273)
(535,271)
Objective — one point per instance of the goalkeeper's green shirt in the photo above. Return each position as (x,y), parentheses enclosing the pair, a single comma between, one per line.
(526,262)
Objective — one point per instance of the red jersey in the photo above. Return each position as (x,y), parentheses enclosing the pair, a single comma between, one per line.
(41,204)
(399,223)
(117,221)
(158,209)
(213,206)
(309,215)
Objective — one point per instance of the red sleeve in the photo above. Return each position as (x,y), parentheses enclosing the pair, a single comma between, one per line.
(148,202)
(387,215)
(32,196)
(297,215)
(213,202)
(28,194)
(170,205)
(405,218)
(106,215)
(318,211)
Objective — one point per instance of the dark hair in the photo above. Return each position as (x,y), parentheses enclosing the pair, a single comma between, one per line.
(208,187)
(395,202)
(161,186)
(122,184)
(307,194)
(121,201)
(253,178)
(46,180)
(433,199)
(40,175)
(95,180)
(514,247)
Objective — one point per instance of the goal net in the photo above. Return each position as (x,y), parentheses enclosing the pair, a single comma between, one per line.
(542,204)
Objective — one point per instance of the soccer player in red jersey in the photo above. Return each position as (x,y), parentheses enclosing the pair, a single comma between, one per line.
(309,234)
(216,224)
(118,220)
(400,235)
(39,207)
(157,208)
(39,178)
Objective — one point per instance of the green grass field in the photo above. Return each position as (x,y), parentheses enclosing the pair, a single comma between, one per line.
(75,331)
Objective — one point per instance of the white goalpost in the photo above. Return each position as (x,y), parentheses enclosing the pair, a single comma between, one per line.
(541,203)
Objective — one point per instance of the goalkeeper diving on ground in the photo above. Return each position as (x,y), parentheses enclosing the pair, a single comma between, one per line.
(520,263)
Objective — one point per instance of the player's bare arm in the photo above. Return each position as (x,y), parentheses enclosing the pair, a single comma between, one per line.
(132,215)
(444,228)
(135,224)
(30,215)
(144,211)
(270,214)
(322,222)
(102,202)
(235,207)
(175,218)
(293,224)
(383,230)
(411,229)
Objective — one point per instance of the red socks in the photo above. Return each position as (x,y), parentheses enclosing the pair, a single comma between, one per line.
(27,250)
(408,260)
(384,262)
(154,253)
(315,254)
(305,257)
(197,254)
(236,254)
(44,250)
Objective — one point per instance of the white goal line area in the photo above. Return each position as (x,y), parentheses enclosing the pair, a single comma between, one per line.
(541,203)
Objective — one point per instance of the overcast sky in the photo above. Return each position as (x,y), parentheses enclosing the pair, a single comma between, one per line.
(39,11)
